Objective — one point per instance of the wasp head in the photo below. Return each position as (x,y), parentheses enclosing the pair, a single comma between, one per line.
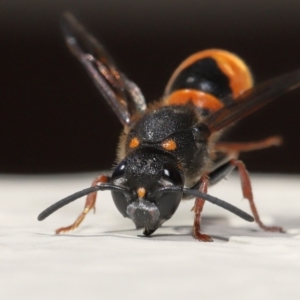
(144,172)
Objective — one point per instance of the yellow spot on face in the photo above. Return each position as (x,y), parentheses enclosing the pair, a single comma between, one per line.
(134,143)
(169,145)
(141,192)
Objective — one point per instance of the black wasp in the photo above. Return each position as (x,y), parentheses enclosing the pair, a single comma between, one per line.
(169,150)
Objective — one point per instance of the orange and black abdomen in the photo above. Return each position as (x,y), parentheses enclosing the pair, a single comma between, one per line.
(209,79)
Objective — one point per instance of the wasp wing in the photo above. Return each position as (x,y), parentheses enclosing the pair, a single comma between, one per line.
(123,95)
(252,100)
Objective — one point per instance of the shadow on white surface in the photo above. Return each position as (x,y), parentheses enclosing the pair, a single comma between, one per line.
(106,258)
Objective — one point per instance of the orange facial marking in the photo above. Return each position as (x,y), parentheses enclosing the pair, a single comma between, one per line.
(169,145)
(198,98)
(134,143)
(141,192)
(230,64)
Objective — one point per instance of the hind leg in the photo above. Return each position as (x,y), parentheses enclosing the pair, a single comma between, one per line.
(247,193)
(236,148)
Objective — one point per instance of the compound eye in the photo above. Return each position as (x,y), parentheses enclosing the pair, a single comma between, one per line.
(119,171)
(172,174)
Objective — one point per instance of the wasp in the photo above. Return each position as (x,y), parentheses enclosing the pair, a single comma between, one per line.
(170,150)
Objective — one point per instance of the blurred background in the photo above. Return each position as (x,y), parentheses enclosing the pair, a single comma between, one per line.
(52,118)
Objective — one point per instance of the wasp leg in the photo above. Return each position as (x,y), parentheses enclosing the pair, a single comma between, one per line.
(89,204)
(247,193)
(236,148)
(198,207)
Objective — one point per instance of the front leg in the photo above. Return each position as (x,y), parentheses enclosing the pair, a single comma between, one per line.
(89,204)
(198,207)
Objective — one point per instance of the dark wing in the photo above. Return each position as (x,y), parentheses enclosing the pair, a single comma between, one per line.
(253,99)
(124,96)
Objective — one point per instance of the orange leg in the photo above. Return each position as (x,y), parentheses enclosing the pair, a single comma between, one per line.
(247,193)
(89,204)
(198,207)
(236,148)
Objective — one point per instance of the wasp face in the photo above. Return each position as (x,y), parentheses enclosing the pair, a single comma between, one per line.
(143,172)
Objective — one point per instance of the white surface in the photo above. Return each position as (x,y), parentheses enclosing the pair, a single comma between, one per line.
(106,258)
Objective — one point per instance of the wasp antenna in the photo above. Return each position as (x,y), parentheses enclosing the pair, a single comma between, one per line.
(175,189)
(170,189)
(54,207)
(233,209)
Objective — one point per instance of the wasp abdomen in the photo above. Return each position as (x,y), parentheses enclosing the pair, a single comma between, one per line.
(209,79)
(203,75)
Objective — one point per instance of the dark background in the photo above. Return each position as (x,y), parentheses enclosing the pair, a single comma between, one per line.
(52,118)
